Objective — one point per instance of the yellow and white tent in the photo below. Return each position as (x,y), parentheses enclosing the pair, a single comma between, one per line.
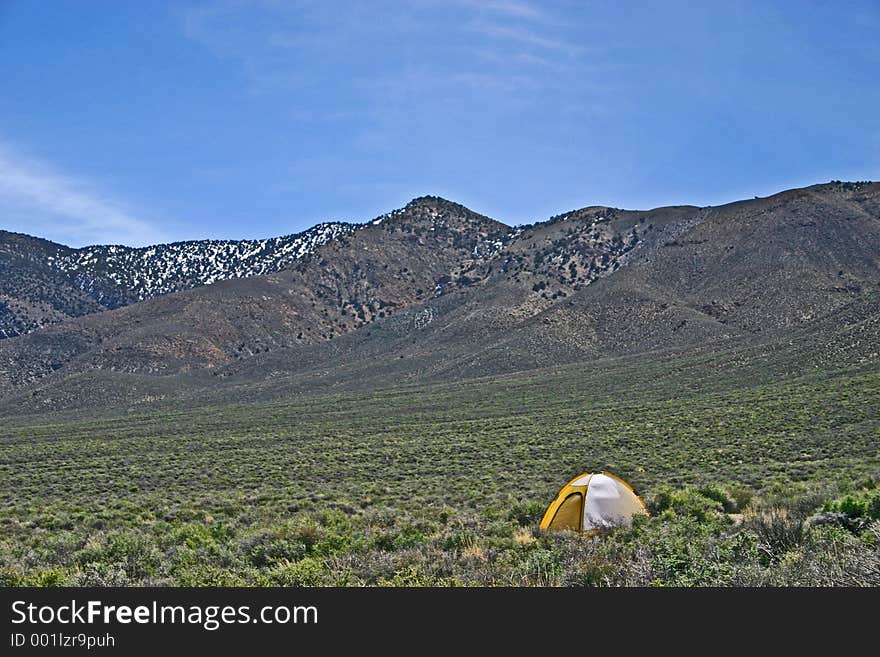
(593,502)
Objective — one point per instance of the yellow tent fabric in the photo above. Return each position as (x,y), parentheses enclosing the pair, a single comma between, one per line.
(593,502)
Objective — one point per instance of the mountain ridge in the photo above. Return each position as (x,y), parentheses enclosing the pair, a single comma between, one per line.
(434,289)
(108,276)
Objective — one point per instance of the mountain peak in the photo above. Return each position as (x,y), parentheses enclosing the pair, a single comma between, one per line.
(433,201)
(435,211)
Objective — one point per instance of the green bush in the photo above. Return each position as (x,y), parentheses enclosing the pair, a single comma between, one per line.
(134,552)
(11,577)
(43,577)
(685,502)
(864,504)
(193,536)
(276,550)
(526,513)
(408,537)
(415,575)
(721,495)
(305,572)
(457,541)
(874,507)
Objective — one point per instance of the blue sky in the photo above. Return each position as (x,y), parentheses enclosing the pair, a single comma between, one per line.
(140,122)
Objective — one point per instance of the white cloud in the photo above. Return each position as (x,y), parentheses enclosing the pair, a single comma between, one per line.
(40,201)
(513,8)
(525,36)
(399,66)
(276,44)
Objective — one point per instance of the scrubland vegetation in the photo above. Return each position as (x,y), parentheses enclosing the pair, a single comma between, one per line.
(750,482)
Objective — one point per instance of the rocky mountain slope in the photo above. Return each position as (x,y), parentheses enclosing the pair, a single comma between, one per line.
(799,269)
(353,280)
(435,291)
(42,283)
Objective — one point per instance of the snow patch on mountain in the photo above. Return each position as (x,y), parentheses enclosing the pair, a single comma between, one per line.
(142,273)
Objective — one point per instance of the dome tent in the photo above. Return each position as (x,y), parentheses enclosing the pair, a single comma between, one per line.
(593,502)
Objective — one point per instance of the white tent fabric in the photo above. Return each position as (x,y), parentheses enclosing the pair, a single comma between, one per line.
(609,503)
